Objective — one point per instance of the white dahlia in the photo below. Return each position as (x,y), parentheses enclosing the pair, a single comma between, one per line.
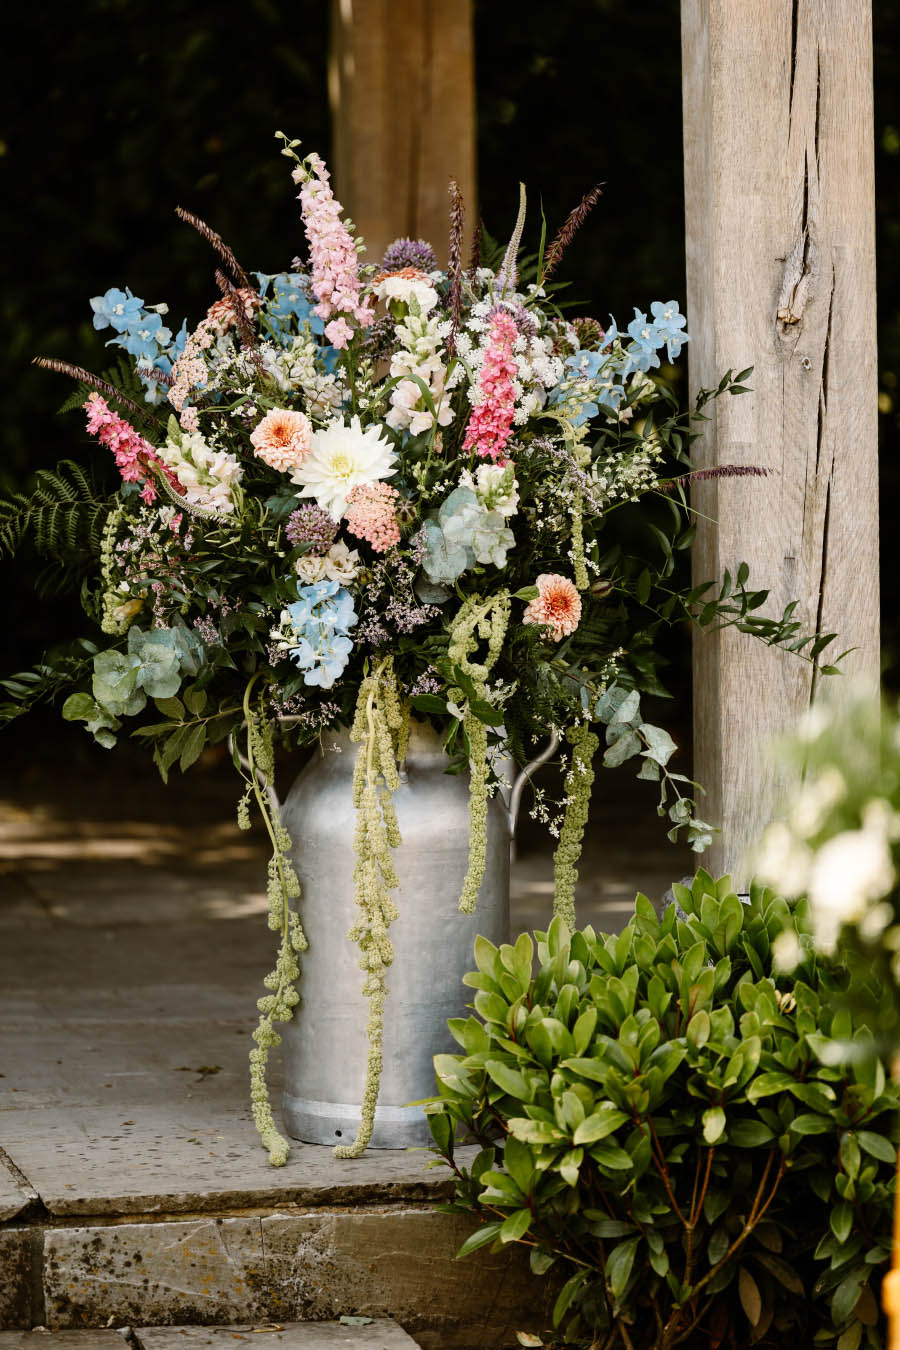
(341,458)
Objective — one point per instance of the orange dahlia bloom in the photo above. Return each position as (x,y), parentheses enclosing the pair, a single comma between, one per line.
(557,607)
(283,439)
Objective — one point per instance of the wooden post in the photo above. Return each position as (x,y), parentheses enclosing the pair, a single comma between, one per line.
(779,192)
(402,90)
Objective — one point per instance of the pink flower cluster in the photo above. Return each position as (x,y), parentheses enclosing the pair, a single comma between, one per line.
(491,421)
(370,515)
(557,605)
(135,457)
(332,252)
(189,371)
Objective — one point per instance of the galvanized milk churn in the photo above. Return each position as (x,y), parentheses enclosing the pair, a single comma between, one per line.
(325,1044)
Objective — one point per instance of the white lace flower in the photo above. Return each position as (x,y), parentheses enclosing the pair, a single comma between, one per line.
(342,457)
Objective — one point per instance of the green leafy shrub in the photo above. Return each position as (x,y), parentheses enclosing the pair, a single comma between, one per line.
(658,1126)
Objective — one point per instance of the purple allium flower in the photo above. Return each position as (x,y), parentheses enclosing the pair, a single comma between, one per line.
(409,253)
(311,525)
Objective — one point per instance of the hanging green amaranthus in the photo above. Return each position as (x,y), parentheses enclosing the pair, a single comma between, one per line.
(484,620)
(578,783)
(381,729)
(258,770)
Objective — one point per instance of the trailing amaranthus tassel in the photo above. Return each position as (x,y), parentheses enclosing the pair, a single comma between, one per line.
(284,886)
(485,619)
(578,784)
(380,729)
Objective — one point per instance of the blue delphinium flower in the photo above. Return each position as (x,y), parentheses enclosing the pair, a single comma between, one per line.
(668,322)
(322,655)
(116,309)
(320,620)
(289,300)
(145,336)
(646,341)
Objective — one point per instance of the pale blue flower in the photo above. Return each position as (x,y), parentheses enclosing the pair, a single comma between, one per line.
(668,322)
(322,655)
(116,309)
(288,300)
(145,336)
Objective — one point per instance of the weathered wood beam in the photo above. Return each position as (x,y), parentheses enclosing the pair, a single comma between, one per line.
(779,192)
(402,91)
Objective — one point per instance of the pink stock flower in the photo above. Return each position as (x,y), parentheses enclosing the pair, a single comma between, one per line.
(135,458)
(283,439)
(558,606)
(370,515)
(338,333)
(332,254)
(490,423)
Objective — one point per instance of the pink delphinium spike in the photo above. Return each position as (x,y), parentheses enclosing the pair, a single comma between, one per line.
(490,424)
(332,254)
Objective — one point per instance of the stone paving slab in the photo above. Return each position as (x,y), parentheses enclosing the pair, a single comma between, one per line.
(171,1160)
(41,1339)
(380,1334)
(14,1196)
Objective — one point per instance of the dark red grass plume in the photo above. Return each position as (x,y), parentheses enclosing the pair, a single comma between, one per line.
(102,386)
(721,471)
(217,243)
(454,261)
(573,223)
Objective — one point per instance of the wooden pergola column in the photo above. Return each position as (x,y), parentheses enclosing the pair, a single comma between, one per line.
(779,192)
(402,90)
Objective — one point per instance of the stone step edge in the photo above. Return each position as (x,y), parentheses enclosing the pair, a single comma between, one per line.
(379,1333)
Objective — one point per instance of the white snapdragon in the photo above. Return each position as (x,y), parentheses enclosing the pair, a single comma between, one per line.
(495,486)
(206,473)
(422,338)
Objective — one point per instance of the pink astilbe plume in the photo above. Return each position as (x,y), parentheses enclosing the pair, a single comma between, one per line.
(370,515)
(490,424)
(332,254)
(135,457)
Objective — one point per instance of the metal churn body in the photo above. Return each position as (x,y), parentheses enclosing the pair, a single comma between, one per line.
(325,1044)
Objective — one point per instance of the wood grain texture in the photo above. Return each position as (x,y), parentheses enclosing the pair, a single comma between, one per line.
(402,91)
(779,193)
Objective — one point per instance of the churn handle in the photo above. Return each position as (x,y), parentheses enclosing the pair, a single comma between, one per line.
(515,797)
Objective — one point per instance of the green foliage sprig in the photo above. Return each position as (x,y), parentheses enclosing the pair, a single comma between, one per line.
(658,1127)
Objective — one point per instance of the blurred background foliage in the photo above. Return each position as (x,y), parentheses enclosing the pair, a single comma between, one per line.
(117,111)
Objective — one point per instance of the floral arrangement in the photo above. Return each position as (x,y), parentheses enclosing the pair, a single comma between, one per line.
(357,492)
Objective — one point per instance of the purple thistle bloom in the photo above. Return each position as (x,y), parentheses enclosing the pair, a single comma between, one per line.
(409,253)
(311,525)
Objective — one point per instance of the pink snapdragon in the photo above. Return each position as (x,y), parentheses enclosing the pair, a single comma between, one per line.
(332,253)
(135,457)
(490,423)
(370,515)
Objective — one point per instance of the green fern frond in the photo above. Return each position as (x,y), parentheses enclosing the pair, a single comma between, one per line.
(63,516)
